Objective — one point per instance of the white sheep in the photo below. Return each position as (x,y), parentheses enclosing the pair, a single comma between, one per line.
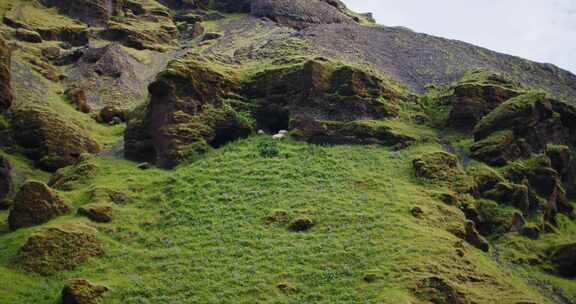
(261,132)
(279,136)
(283,132)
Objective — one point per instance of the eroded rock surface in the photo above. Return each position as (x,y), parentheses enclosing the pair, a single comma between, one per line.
(34,204)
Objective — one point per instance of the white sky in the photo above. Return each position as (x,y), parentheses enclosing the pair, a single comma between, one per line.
(540,30)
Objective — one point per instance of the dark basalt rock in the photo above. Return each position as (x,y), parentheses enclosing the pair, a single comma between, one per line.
(34,204)
(28,36)
(49,140)
(74,36)
(5,87)
(81,291)
(97,213)
(59,248)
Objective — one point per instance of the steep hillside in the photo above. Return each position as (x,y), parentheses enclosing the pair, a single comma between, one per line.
(257,151)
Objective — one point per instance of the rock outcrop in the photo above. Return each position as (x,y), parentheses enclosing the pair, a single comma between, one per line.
(34,204)
(186,116)
(91,12)
(476,95)
(5,87)
(522,126)
(60,248)
(82,291)
(97,212)
(439,166)
(71,177)
(302,13)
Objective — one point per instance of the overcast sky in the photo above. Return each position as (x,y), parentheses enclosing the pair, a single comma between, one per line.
(540,30)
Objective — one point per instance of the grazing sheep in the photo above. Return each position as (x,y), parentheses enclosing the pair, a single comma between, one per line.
(283,132)
(279,136)
(261,132)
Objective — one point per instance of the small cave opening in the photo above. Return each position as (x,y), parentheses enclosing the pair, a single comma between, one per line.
(228,134)
(272,119)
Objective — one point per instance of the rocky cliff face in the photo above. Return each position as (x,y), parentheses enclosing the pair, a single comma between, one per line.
(399,153)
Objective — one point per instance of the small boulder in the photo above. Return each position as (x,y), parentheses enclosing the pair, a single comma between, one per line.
(417,212)
(59,249)
(564,260)
(81,291)
(301,224)
(78,98)
(35,204)
(112,114)
(97,213)
(439,166)
(28,36)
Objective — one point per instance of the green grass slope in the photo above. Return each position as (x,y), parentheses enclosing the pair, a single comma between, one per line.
(216,231)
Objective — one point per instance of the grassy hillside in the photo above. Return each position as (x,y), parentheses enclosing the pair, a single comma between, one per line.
(217,231)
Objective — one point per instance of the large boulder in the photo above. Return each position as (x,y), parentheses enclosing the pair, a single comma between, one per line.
(186,115)
(5,181)
(59,248)
(5,87)
(34,204)
(476,95)
(82,291)
(49,140)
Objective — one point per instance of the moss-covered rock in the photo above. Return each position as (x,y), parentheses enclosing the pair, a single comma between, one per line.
(186,116)
(522,126)
(49,140)
(5,87)
(100,213)
(440,166)
(476,95)
(69,178)
(81,291)
(301,224)
(563,258)
(34,204)
(59,248)
(92,12)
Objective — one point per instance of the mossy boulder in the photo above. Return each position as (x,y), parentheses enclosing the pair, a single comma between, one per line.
(69,178)
(301,224)
(34,204)
(5,76)
(439,166)
(82,291)
(50,140)
(59,248)
(6,182)
(474,238)
(100,213)
(476,95)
